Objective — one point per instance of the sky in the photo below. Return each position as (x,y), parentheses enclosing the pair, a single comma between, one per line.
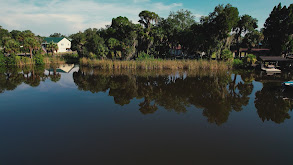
(45,17)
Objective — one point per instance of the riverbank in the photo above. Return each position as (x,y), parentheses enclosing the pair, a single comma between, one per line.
(46,60)
(36,60)
(156,64)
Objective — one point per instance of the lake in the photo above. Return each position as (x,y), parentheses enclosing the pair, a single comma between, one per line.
(77,115)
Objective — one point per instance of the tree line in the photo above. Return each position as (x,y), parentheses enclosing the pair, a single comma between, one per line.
(220,31)
(223,29)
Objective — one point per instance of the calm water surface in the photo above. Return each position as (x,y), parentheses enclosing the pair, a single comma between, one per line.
(72,115)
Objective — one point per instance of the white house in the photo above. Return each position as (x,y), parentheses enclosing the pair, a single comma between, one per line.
(63,43)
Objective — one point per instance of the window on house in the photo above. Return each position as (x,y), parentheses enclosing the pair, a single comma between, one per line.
(62,44)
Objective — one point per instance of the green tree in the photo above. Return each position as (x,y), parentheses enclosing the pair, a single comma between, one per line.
(57,35)
(78,43)
(147,18)
(11,46)
(126,33)
(252,39)
(32,44)
(95,44)
(215,28)
(52,47)
(182,19)
(245,25)
(278,29)
(227,55)
(4,34)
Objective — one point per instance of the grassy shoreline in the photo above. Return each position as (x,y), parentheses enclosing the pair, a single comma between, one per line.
(155,64)
(47,60)
(23,61)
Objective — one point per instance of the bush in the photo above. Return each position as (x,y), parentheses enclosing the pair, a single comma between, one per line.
(144,56)
(227,55)
(249,59)
(2,60)
(12,59)
(39,59)
(237,63)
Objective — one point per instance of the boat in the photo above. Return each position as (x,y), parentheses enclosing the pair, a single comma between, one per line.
(270,69)
(288,83)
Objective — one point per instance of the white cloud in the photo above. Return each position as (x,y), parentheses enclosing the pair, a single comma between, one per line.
(70,16)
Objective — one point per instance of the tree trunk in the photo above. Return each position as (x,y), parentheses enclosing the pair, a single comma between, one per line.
(31,52)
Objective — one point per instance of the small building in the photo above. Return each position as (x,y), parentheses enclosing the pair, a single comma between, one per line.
(277,61)
(64,45)
(177,51)
(258,52)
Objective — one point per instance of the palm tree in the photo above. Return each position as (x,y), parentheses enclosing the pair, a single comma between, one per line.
(53,47)
(11,46)
(32,44)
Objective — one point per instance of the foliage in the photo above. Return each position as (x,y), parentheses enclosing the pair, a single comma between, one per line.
(246,24)
(11,46)
(182,19)
(237,63)
(227,55)
(147,17)
(95,44)
(157,36)
(12,59)
(57,35)
(249,59)
(278,29)
(211,35)
(32,44)
(52,47)
(252,39)
(143,56)
(39,59)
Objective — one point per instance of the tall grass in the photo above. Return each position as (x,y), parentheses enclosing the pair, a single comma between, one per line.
(53,60)
(23,61)
(156,64)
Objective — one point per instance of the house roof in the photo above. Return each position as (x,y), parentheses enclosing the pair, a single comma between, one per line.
(53,39)
(252,50)
(274,58)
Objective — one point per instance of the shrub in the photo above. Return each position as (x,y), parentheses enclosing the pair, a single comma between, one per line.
(144,56)
(227,55)
(12,59)
(249,59)
(237,63)
(2,60)
(39,59)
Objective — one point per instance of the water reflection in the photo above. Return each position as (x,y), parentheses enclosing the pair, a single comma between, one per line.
(216,93)
(12,77)
(271,103)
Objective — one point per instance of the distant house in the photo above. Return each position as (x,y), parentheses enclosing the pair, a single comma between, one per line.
(259,52)
(177,51)
(64,45)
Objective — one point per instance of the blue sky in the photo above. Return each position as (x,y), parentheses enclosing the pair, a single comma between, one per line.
(45,17)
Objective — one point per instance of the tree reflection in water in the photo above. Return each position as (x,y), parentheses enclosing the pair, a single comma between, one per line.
(12,77)
(271,104)
(214,92)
